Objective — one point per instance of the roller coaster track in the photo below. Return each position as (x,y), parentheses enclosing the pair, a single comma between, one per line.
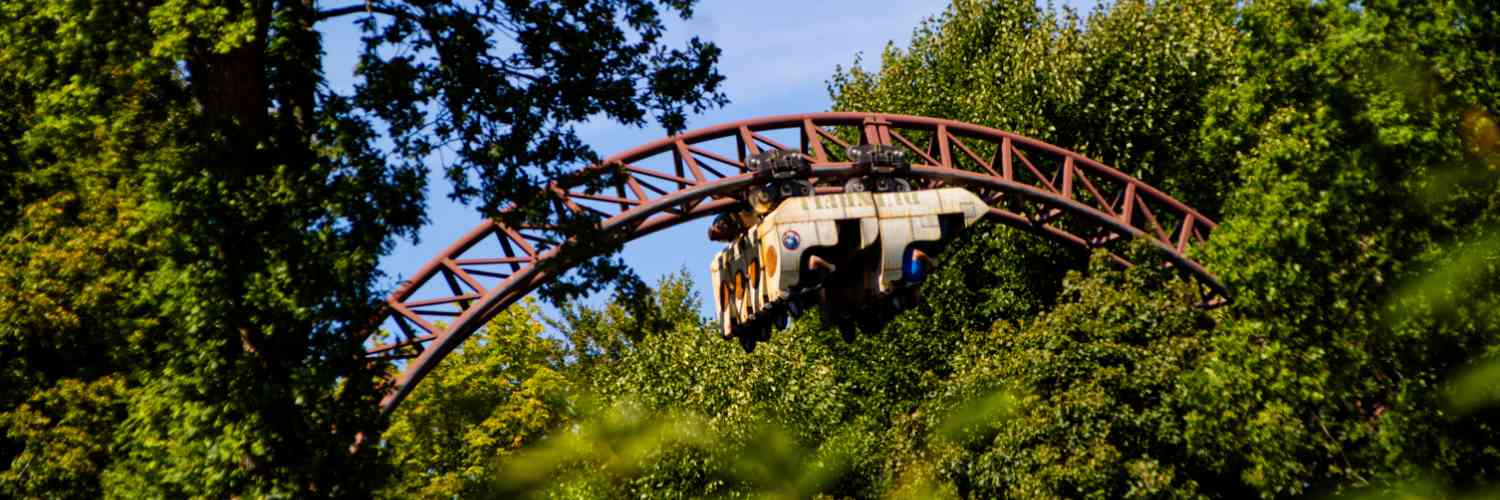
(1029,184)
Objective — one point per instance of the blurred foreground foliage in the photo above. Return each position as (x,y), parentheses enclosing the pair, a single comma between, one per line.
(1352,156)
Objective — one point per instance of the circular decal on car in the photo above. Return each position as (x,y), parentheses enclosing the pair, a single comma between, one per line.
(791,240)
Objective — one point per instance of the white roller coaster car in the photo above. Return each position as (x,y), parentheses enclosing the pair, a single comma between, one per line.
(857,254)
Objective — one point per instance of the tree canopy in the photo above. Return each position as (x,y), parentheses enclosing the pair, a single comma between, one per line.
(191,216)
(1350,152)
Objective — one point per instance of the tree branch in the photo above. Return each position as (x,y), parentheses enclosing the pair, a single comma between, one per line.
(366,8)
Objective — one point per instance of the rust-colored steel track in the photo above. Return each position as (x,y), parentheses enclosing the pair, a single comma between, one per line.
(1029,184)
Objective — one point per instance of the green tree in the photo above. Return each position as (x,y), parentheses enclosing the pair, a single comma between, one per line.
(1358,134)
(191,218)
(1125,86)
(502,390)
(1351,149)
(1101,411)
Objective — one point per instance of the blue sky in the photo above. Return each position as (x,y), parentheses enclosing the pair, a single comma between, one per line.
(777,58)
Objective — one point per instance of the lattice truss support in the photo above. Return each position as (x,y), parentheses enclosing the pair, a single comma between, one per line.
(1029,184)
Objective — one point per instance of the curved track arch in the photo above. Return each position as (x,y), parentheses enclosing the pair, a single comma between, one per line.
(1029,184)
